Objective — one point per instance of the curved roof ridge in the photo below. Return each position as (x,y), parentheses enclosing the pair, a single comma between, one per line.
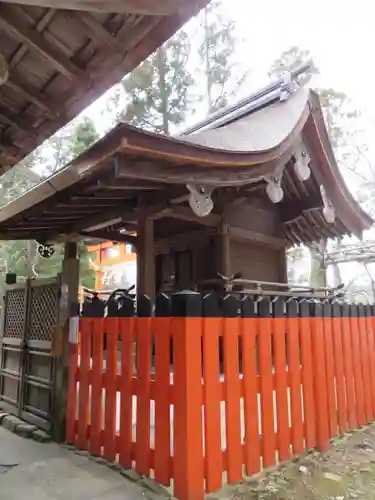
(335,184)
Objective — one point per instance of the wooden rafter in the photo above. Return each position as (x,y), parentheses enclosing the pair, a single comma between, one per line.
(43,102)
(14,121)
(45,46)
(19,29)
(101,220)
(147,7)
(40,26)
(96,31)
(9,149)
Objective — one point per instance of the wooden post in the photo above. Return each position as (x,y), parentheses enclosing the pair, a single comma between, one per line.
(222,250)
(145,257)
(68,308)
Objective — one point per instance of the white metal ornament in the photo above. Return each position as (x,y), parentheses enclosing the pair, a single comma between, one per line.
(274,190)
(328,210)
(200,200)
(288,87)
(301,165)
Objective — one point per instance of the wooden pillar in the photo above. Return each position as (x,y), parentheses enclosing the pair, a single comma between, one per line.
(145,257)
(222,250)
(68,308)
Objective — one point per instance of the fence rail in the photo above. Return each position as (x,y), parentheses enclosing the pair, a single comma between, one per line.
(241,393)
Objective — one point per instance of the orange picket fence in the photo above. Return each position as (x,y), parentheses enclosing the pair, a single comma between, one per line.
(199,392)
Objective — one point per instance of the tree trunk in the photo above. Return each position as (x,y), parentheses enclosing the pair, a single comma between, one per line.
(161,64)
(210,104)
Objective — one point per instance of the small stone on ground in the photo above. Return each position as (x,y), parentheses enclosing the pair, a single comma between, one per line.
(25,430)
(11,422)
(41,436)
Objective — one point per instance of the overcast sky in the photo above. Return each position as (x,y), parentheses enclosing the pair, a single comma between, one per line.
(337,32)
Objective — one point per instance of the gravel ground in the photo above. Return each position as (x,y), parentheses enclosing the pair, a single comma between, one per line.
(347,471)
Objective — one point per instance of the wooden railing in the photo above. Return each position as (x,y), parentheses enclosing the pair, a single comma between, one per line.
(294,375)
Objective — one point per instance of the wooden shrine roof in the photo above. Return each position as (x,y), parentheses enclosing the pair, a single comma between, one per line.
(132,173)
(59,61)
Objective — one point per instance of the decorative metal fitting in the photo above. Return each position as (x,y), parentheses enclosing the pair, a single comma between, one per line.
(200,200)
(328,209)
(288,86)
(301,165)
(274,190)
(45,250)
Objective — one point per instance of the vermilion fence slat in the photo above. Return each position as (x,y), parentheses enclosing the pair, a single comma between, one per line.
(71,410)
(309,406)
(365,365)
(320,379)
(162,332)
(96,417)
(278,324)
(84,384)
(266,384)
(369,361)
(294,369)
(348,369)
(249,326)
(371,347)
(339,368)
(126,395)
(212,394)
(111,329)
(232,390)
(358,383)
(330,370)
(143,332)
(188,451)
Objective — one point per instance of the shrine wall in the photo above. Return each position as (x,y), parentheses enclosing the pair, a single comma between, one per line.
(258,262)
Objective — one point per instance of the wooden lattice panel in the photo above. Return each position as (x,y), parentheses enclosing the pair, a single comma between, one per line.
(43,312)
(14,324)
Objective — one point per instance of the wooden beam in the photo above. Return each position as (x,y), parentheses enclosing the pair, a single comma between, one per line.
(9,149)
(222,250)
(98,221)
(19,29)
(119,185)
(181,241)
(12,120)
(145,257)
(262,239)
(140,7)
(41,101)
(95,30)
(111,236)
(186,214)
(39,27)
